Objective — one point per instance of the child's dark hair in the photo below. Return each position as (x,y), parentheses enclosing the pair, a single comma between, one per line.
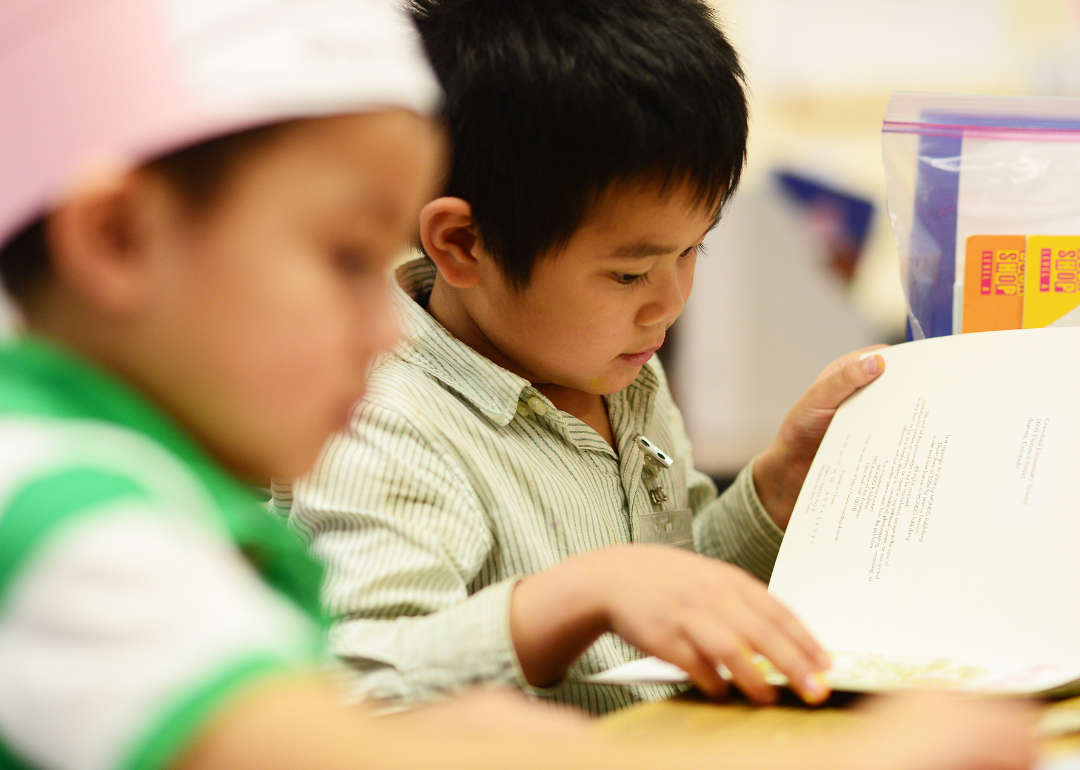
(551,102)
(197,173)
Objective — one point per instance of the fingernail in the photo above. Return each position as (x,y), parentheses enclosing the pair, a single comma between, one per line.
(873,364)
(814,689)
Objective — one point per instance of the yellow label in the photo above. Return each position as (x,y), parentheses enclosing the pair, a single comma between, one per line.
(1053,287)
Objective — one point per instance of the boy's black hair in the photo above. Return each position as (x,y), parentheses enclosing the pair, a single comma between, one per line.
(197,173)
(551,102)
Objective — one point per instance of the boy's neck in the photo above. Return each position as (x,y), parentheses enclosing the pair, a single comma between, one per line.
(446,307)
(590,408)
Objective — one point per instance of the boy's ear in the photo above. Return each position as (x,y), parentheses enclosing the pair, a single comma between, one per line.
(448,233)
(98,242)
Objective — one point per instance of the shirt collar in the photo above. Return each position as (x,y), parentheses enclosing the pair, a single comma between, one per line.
(488,387)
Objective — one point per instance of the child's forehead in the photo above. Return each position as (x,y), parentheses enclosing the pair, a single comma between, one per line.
(647,203)
(369,161)
(637,220)
(353,173)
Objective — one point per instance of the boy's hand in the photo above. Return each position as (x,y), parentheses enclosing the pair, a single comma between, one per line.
(781,469)
(941,732)
(688,609)
(488,712)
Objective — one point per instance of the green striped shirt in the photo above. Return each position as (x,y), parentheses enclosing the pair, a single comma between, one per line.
(448,487)
(141,586)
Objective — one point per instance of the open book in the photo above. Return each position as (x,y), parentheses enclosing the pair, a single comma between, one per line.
(936,541)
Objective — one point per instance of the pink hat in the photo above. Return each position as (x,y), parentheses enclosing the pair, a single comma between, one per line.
(82,81)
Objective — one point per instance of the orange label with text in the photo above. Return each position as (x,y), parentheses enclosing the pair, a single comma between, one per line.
(993,283)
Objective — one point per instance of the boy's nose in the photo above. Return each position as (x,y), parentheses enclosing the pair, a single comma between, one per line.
(376,330)
(666,301)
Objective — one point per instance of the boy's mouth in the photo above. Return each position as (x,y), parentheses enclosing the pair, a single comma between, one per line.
(639,359)
(345,411)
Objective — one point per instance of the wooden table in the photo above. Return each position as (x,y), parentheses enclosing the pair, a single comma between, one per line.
(691,718)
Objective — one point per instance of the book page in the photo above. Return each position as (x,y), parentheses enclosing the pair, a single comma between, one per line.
(941,515)
(870,672)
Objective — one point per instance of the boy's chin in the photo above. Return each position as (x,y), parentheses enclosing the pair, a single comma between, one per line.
(296,455)
(288,469)
(613,383)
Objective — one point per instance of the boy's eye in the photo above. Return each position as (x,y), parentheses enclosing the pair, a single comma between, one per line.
(626,279)
(351,260)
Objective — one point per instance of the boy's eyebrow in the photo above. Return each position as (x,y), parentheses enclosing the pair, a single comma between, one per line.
(650,249)
(380,207)
(642,249)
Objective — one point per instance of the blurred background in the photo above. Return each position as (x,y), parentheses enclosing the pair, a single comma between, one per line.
(803,266)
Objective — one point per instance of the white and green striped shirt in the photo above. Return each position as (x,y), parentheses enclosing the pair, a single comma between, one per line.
(448,487)
(141,586)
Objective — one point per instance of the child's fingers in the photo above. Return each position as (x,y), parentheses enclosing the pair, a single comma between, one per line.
(768,627)
(846,359)
(722,643)
(703,672)
(789,625)
(800,670)
(851,372)
(764,635)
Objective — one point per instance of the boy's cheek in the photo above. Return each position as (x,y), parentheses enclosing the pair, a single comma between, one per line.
(376,330)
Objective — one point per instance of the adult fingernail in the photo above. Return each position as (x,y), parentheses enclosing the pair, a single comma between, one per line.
(873,364)
(814,689)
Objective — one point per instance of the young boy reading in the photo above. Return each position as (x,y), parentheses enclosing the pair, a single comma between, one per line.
(151,615)
(501,508)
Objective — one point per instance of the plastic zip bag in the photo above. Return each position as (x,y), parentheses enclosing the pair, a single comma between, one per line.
(961,168)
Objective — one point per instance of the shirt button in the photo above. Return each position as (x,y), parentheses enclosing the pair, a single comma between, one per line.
(523,409)
(538,406)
